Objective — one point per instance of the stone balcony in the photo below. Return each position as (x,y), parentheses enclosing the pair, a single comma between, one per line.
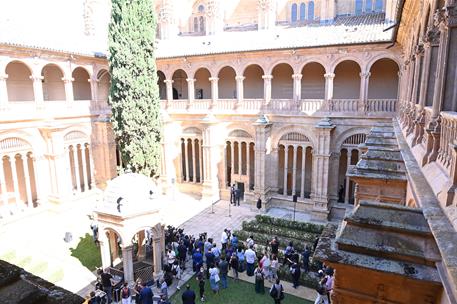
(309,107)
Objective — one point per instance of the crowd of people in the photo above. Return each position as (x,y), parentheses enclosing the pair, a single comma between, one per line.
(212,263)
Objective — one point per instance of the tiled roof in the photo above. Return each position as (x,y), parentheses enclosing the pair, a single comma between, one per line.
(346,30)
(19,286)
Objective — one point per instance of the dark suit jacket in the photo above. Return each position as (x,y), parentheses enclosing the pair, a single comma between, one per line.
(146,295)
(188,297)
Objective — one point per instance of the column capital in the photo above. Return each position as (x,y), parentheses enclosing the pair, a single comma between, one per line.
(213,79)
(297,76)
(268,77)
(168,81)
(3,77)
(240,78)
(191,80)
(68,79)
(36,77)
(450,15)
(329,75)
(365,74)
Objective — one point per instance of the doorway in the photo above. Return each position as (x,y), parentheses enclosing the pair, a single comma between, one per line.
(241,187)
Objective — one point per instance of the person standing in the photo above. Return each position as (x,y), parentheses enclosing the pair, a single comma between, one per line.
(224,239)
(216,252)
(274,244)
(259,280)
(329,283)
(146,295)
(125,294)
(232,194)
(250,261)
(163,300)
(266,266)
(241,259)
(223,270)
(107,284)
(321,291)
(296,272)
(182,254)
(197,260)
(238,196)
(305,255)
(250,241)
(235,266)
(201,283)
(188,296)
(164,289)
(214,278)
(277,292)
(274,267)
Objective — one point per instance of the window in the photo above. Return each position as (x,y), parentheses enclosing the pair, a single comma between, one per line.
(368,6)
(294,13)
(311,10)
(379,6)
(202,24)
(201,9)
(302,12)
(358,7)
(196,24)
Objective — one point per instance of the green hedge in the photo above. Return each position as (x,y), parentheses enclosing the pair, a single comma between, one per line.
(301,226)
(280,232)
(263,239)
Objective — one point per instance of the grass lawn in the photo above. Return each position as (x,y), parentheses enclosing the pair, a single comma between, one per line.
(237,293)
(87,253)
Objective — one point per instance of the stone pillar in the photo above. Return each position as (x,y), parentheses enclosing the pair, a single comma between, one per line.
(297,87)
(3,188)
(346,190)
(321,166)
(91,168)
(214,90)
(94,89)
(240,159)
(38,89)
(68,83)
(28,188)
(140,243)
(169,85)
(294,170)
(364,79)
(262,135)
(76,167)
(127,263)
(286,169)
(186,160)
(329,77)
(419,52)
(303,173)
(194,162)
(191,89)
(104,250)
(200,160)
(113,245)
(157,252)
(15,179)
(239,89)
(84,168)
(212,155)
(3,92)
(41,186)
(232,150)
(248,160)
(267,88)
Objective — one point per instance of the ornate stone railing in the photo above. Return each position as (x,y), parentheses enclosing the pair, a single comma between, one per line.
(310,106)
(178,104)
(250,105)
(200,104)
(282,106)
(225,105)
(344,105)
(448,138)
(381,105)
(427,120)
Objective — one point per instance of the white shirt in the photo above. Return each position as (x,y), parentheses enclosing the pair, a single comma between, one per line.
(224,237)
(171,257)
(250,256)
(249,242)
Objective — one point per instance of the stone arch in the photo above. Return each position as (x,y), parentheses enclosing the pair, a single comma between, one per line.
(75,135)
(347,80)
(313,80)
(162,86)
(180,90)
(292,129)
(282,82)
(32,139)
(383,83)
(240,133)
(271,67)
(383,56)
(192,131)
(202,83)
(253,82)
(347,134)
(19,83)
(115,231)
(53,85)
(103,84)
(323,63)
(334,64)
(248,128)
(14,144)
(81,84)
(227,82)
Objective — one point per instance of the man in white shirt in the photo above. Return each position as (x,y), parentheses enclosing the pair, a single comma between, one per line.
(171,257)
(224,239)
(250,261)
(250,241)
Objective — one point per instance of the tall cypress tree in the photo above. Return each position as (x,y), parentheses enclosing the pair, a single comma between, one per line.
(134,94)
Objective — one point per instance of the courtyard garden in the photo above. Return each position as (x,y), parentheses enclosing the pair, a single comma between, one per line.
(87,253)
(238,292)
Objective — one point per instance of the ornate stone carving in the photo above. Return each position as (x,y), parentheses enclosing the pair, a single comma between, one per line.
(265,5)
(432,36)
(89,25)
(450,15)
(212,8)
(419,49)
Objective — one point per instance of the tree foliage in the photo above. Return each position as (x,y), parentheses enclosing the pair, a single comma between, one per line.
(134,93)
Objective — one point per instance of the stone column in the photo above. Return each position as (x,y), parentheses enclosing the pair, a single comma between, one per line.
(212,155)
(38,89)
(364,79)
(3,187)
(286,164)
(346,190)
(127,262)
(113,245)
(200,160)
(157,252)
(191,89)
(240,159)
(322,159)
(84,168)
(297,87)
(104,250)
(68,83)
(76,167)
(40,187)
(94,89)
(169,85)
(3,92)
(419,52)
(267,88)
(294,170)
(239,89)
(262,135)
(15,179)
(186,160)
(329,77)
(248,160)
(303,173)
(91,167)
(28,188)
(232,150)
(140,243)
(214,90)
(194,162)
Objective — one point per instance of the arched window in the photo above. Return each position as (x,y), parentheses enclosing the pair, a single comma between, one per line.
(368,6)
(358,7)
(311,10)
(201,9)
(202,24)
(379,6)
(195,24)
(294,13)
(302,11)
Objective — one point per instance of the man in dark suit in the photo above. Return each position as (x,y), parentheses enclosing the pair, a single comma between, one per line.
(188,297)
(237,196)
(232,195)
(146,295)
